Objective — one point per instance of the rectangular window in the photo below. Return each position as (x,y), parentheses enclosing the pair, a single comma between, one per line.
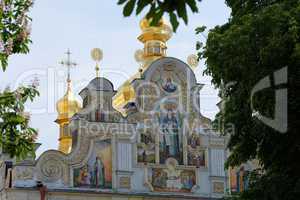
(99,116)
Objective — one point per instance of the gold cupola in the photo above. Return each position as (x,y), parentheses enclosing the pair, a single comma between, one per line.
(66,107)
(154,39)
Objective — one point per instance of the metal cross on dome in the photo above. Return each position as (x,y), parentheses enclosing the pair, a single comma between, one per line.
(68,63)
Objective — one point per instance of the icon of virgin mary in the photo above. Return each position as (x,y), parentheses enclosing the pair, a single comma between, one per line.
(99,173)
(169,86)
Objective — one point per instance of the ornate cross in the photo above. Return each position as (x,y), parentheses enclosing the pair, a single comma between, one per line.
(68,63)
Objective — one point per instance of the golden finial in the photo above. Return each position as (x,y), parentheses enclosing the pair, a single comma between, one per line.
(97,56)
(192,60)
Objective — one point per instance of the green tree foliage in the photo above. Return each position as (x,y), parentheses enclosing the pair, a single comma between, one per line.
(14,28)
(174,8)
(261,37)
(16,137)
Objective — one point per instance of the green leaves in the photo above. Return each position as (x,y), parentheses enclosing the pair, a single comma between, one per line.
(174,21)
(141,4)
(199,45)
(193,5)
(120,2)
(128,9)
(16,137)
(181,11)
(200,29)
(260,38)
(175,9)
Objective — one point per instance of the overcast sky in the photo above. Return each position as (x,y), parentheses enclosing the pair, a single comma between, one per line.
(82,25)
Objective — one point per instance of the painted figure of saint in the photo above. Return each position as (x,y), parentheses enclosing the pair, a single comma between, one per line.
(169,138)
(84,176)
(188,181)
(99,173)
(194,140)
(169,86)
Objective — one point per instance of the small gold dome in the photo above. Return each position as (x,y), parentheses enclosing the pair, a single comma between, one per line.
(145,23)
(124,95)
(128,91)
(68,105)
(162,31)
(154,39)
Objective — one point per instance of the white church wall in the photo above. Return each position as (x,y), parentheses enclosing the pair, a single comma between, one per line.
(138,180)
(203,182)
(217,162)
(124,159)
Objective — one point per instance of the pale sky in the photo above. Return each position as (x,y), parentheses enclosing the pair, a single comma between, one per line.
(81,26)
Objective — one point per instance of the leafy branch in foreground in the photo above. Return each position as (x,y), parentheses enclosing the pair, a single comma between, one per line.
(157,8)
(260,41)
(14,28)
(16,137)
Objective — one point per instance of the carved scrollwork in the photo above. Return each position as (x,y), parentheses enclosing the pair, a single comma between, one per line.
(52,167)
(22,173)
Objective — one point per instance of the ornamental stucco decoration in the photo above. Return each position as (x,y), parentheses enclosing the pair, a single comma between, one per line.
(24,173)
(52,167)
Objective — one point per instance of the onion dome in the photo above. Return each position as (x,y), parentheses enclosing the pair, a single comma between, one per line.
(162,31)
(125,96)
(154,39)
(68,105)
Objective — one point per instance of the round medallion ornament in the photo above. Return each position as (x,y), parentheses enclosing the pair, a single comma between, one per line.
(192,60)
(97,54)
(139,55)
(51,168)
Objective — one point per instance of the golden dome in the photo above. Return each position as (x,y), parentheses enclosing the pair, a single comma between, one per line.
(154,39)
(68,105)
(124,95)
(162,31)
(145,23)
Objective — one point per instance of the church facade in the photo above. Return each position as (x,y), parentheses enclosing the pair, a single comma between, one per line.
(146,140)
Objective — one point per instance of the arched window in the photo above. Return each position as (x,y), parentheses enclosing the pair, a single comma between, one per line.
(85,101)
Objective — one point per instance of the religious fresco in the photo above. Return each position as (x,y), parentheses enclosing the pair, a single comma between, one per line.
(146,148)
(196,155)
(168,85)
(170,136)
(196,158)
(166,78)
(171,179)
(239,179)
(97,172)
